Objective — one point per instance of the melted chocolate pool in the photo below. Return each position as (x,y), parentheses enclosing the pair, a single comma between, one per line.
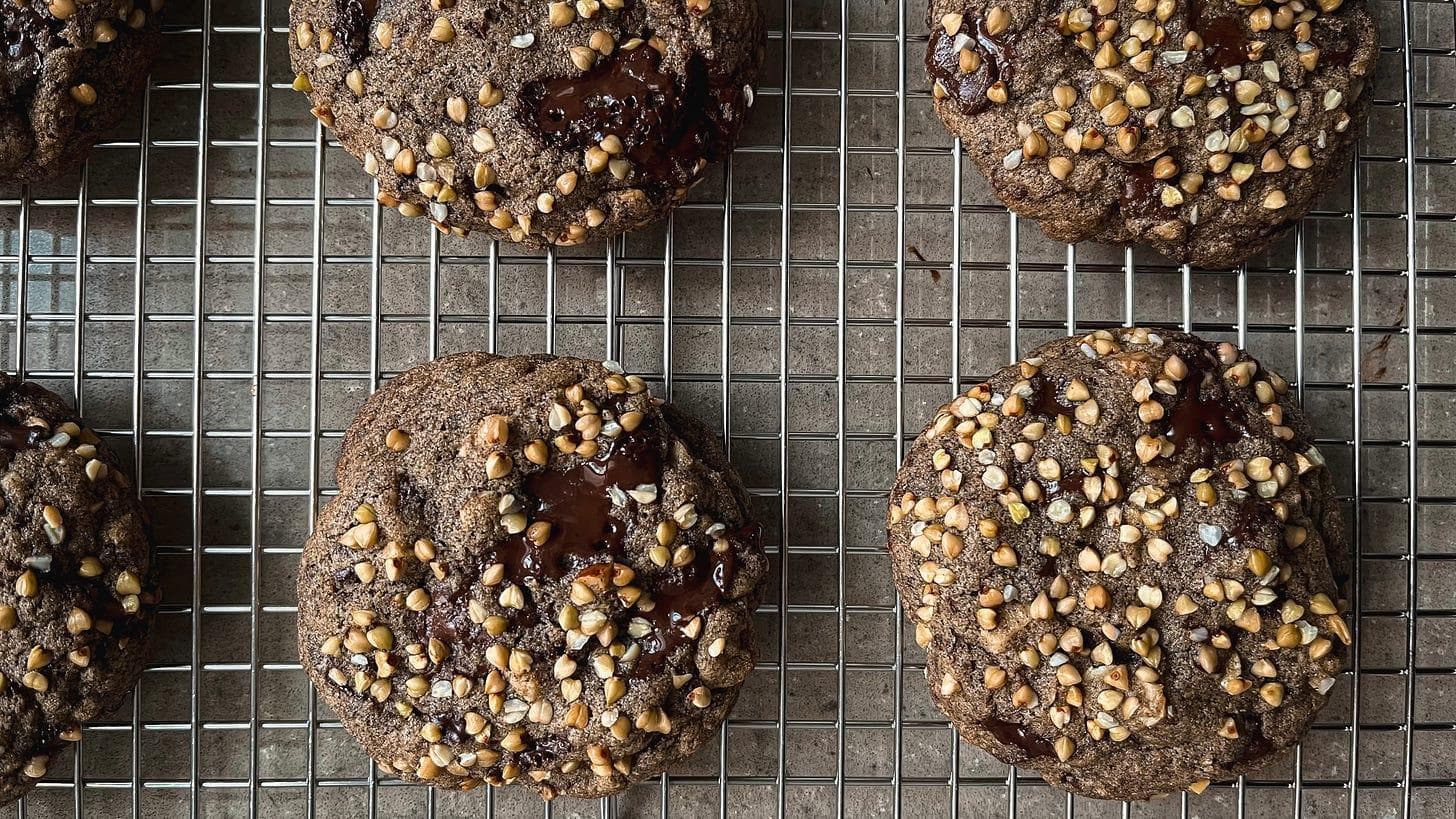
(1224,41)
(1196,418)
(943,63)
(577,504)
(1044,400)
(697,586)
(1142,194)
(666,122)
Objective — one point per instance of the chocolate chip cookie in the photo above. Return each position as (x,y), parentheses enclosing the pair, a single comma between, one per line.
(547,123)
(72,69)
(1123,557)
(1203,128)
(534,572)
(77,596)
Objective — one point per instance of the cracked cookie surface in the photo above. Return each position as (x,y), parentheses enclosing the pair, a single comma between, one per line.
(534,572)
(1122,556)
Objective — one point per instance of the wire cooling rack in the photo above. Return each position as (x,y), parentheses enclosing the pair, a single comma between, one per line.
(218,291)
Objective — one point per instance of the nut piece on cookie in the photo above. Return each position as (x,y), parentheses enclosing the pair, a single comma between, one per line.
(1203,128)
(1123,556)
(534,572)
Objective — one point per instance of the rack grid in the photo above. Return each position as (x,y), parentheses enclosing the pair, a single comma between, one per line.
(218,291)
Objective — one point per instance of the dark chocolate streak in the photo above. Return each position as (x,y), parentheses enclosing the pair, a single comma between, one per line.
(355,17)
(1012,733)
(1338,55)
(15,437)
(1071,483)
(1252,517)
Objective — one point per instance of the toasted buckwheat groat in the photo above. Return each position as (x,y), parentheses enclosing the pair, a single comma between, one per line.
(534,572)
(1203,128)
(1121,557)
(76,582)
(544,122)
(71,71)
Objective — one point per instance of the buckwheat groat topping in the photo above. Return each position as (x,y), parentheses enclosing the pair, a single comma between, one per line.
(543,123)
(1118,555)
(534,572)
(76,588)
(72,69)
(1201,127)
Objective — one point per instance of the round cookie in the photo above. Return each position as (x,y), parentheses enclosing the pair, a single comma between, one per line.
(71,71)
(533,572)
(1123,558)
(1203,128)
(547,123)
(77,593)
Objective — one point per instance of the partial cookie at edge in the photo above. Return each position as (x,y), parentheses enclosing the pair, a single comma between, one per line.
(549,123)
(77,591)
(71,71)
(1203,128)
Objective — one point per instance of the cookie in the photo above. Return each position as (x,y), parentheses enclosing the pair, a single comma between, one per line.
(546,123)
(533,572)
(1203,128)
(77,593)
(71,70)
(1123,558)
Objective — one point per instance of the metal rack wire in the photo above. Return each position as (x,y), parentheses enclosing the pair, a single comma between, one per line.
(219,290)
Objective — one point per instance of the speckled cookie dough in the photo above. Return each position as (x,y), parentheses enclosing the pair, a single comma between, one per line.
(77,593)
(534,572)
(1203,128)
(1121,556)
(547,123)
(72,69)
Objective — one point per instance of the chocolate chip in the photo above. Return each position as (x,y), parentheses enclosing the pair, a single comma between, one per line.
(1140,194)
(355,16)
(1224,40)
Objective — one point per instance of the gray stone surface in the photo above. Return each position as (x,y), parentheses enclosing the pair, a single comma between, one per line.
(257,432)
